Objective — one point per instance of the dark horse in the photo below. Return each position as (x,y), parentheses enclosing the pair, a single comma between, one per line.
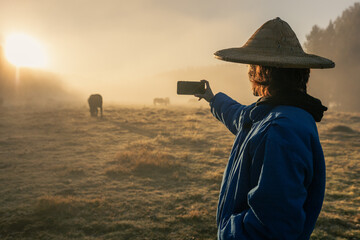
(95,101)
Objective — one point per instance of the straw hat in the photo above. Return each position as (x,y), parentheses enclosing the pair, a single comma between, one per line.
(274,44)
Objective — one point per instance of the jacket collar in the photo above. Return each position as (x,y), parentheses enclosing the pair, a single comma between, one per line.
(296,99)
(259,112)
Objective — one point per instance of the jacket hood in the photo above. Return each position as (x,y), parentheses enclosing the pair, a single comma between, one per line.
(297,99)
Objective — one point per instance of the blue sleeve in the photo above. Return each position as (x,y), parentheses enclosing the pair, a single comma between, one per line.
(276,203)
(227,110)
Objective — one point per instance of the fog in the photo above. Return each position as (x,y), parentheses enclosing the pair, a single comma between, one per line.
(339,87)
(143,171)
(133,51)
(32,87)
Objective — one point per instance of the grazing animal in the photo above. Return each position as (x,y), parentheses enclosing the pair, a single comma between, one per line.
(95,101)
(161,101)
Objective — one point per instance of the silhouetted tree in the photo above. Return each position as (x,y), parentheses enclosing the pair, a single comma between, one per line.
(7,77)
(35,86)
(339,41)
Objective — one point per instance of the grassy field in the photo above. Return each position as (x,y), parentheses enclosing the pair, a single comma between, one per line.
(143,173)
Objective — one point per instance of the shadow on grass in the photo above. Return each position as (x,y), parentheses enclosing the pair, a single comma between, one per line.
(68,217)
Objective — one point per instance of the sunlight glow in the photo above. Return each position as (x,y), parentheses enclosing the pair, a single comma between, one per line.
(24,51)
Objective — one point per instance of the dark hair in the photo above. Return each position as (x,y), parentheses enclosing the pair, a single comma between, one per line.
(270,81)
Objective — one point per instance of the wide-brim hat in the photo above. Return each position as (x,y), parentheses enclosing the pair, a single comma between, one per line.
(274,44)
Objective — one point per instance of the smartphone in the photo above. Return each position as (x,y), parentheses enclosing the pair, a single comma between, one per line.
(190,88)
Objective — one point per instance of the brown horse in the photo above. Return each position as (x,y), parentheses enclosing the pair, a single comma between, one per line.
(95,101)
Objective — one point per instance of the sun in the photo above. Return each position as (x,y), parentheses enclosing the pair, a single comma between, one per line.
(24,51)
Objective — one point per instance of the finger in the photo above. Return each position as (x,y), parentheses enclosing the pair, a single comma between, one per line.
(207,84)
(205,81)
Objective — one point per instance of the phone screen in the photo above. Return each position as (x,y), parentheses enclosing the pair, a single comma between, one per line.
(190,88)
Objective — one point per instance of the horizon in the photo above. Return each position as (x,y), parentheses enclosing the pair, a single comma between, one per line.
(112,46)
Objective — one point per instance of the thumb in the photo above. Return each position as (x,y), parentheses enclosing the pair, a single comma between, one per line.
(200,96)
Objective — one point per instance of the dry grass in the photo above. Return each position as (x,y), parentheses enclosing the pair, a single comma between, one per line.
(143,173)
(141,161)
(339,218)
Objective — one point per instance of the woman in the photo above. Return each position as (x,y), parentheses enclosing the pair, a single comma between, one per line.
(273,185)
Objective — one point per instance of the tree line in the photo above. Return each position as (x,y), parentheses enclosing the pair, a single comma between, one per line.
(339,41)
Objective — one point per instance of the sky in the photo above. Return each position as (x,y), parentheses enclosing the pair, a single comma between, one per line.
(102,44)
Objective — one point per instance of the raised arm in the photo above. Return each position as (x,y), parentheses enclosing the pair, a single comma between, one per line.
(228,111)
(224,108)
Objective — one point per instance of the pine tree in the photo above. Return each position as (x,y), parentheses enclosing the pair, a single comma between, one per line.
(339,41)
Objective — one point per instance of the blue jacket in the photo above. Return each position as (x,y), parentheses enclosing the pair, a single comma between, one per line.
(273,185)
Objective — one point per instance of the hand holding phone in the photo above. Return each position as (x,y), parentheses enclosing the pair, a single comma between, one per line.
(199,89)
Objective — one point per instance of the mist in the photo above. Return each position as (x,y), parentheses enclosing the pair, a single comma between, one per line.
(141,171)
(32,87)
(134,51)
(340,41)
